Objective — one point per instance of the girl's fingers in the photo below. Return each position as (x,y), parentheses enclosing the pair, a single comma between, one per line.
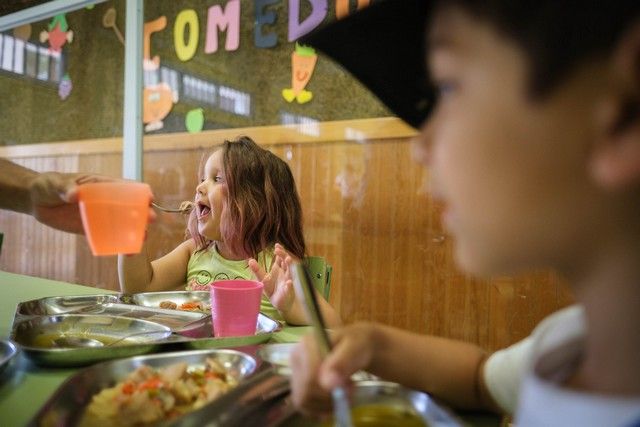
(256,268)
(269,280)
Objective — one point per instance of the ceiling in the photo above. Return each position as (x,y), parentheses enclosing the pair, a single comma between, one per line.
(11,6)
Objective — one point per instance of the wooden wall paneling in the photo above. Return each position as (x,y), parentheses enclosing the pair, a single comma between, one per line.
(173,176)
(517,304)
(401,268)
(32,248)
(367,209)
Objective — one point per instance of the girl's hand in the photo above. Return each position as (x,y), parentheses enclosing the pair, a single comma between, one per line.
(312,379)
(278,285)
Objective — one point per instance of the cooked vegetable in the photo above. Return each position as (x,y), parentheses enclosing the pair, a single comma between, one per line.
(148,395)
(168,304)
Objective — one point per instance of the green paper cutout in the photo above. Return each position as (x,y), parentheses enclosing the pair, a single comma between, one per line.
(59,19)
(303,50)
(194,120)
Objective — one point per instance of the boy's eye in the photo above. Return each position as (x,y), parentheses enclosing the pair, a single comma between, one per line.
(445,88)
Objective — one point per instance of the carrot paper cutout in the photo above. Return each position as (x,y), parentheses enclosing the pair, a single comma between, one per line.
(157,97)
(58,33)
(303,62)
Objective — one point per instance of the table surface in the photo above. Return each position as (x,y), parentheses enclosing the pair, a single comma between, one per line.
(25,387)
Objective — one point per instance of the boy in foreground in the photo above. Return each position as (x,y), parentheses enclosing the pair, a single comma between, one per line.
(530,116)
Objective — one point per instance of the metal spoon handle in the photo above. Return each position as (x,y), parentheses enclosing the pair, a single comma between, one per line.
(306,292)
(307,296)
(185,207)
(137,334)
(341,410)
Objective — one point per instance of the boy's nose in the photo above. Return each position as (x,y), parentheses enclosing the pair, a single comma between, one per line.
(422,148)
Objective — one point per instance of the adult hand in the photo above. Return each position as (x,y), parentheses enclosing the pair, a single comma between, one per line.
(313,378)
(54,199)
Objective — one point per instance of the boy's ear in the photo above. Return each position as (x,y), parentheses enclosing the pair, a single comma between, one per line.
(615,161)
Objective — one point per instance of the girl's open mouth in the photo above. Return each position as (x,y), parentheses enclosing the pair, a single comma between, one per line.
(203,210)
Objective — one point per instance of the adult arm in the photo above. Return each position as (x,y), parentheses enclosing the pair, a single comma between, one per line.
(15,184)
(50,197)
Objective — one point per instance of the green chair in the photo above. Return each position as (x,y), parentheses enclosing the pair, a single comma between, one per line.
(320,272)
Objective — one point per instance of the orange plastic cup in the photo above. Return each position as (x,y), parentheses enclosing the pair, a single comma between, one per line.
(114,215)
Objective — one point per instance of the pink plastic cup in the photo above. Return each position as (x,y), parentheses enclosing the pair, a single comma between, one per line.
(235,305)
(114,215)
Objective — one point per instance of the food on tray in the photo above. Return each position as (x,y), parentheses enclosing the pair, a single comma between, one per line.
(168,304)
(149,396)
(192,306)
(186,306)
(381,415)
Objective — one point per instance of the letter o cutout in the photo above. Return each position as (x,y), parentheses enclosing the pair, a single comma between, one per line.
(187,17)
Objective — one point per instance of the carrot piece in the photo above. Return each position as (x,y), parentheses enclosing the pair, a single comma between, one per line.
(128,388)
(152,383)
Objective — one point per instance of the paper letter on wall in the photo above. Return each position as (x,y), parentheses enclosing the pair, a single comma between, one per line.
(267,18)
(299,29)
(342,7)
(228,20)
(186,18)
(150,28)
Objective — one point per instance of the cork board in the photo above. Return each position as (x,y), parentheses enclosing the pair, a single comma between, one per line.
(33,111)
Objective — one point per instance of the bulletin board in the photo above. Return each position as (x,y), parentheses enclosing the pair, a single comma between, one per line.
(207,65)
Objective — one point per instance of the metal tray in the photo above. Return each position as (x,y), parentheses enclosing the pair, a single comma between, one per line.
(153,299)
(264,400)
(266,326)
(190,323)
(390,395)
(192,329)
(61,305)
(36,337)
(66,405)
(8,351)
(278,356)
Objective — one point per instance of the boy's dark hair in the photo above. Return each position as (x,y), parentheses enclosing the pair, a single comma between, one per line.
(262,205)
(383,45)
(556,35)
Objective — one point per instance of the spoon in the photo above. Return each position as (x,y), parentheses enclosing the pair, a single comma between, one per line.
(109,21)
(72,341)
(185,208)
(77,342)
(307,296)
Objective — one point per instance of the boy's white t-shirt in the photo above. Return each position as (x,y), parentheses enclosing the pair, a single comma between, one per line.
(528,375)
